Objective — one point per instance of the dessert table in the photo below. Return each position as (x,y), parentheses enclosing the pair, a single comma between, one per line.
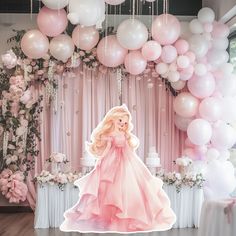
(218,218)
(52,202)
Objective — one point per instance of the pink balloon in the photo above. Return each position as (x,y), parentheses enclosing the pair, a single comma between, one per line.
(199,132)
(62,47)
(186,105)
(190,152)
(135,63)
(182,123)
(110,53)
(168,54)
(85,38)
(34,44)
(151,50)
(202,86)
(220,30)
(187,73)
(224,136)
(181,46)
(210,109)
(52,22)
(114,2)
(165,29)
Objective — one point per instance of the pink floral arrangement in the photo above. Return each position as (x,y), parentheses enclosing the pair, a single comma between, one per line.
(12,186)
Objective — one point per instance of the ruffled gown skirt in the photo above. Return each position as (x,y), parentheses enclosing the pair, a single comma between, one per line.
(119,195)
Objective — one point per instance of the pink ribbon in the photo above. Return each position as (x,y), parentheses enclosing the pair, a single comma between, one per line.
(228,210)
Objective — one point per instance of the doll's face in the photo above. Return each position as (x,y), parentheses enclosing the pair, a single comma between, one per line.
(122,122)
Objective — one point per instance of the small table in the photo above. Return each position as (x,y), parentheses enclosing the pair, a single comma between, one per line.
(53,202)
(214,218)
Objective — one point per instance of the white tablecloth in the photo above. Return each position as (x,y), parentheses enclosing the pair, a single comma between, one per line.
(52,203)
(186,204)
(214,221)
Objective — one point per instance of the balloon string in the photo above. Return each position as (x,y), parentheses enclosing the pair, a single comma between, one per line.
(31,9)
(133,9)
(107,9)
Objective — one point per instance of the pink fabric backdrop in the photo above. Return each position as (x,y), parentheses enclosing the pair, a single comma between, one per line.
(83,99)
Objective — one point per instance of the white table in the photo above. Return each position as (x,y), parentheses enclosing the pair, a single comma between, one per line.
(214,221)
(52,203)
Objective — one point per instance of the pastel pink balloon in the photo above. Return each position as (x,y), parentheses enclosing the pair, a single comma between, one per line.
(187,73)
(52,22)
(202,86)
(191,56)
(85,38)
(224,136)
(151,50)
(181,46)
(186,105)
(220,30)
(190,152)
(168,54)
(62,47)
(114,2)
(208,27)
(210,109)
(165,29)
(182,123)
(34,44)
(135,63)
(199,132)
(110,53)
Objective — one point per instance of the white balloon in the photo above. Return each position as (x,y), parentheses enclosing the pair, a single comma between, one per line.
(227,86)
(206,15)
(220,179)
(227,68)
(86,12)
(217,57)
(183,62)
(180,84)
(132,34)
(162,68)
(173,76)
(200,69)
(198,45)
(229,111)
(220,43)
(212,154)
(55,4)
(196,26)
(224,155)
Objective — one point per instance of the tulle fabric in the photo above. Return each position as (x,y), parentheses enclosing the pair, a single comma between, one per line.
(119,195)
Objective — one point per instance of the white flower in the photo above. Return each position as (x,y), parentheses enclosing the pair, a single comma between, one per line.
(20,131)
(9,59)
(58,157)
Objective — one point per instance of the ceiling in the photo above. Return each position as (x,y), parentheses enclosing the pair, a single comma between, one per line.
(176,7)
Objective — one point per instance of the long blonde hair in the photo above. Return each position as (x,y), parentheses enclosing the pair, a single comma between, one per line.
(105,128)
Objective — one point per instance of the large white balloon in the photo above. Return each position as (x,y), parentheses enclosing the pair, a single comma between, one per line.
(220,179)
(55,4)
(229,111)
(86,12)
(199,45)
(217,57)
(196,26)
(132,34)
(206,15)
(220,43)
(227,86)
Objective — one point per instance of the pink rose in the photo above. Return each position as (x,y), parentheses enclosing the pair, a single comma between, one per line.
(9,59)
(27,96)
(6,173)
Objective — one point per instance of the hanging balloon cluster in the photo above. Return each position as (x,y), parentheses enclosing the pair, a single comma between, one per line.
(193,53)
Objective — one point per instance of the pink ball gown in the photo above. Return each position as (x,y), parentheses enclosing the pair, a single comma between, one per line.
(119,195)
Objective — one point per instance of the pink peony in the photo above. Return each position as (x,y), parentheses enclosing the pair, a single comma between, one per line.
(6,173)
(9,59)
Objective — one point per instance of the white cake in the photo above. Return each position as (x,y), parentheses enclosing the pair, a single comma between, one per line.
(153,159)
